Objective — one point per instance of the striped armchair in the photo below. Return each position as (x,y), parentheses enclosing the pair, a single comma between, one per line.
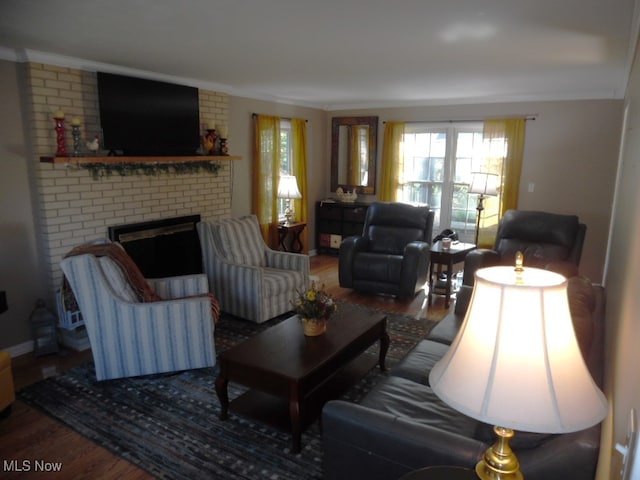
(250,280)
(130,337)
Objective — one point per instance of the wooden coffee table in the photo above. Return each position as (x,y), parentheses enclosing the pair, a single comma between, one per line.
(291,376)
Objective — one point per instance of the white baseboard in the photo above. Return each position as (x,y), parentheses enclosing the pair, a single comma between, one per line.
(20,349)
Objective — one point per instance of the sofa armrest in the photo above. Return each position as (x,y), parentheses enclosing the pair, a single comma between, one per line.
(360,442)
(478,258)
(570,455)
(415,268)
(349,247)
(181,286)
(288,261)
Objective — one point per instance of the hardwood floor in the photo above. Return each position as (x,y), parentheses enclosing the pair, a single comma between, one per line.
(28,435)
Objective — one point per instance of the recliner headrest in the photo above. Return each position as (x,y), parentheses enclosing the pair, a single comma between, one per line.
(539,227)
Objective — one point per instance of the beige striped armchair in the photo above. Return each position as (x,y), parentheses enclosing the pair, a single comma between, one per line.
(133,334)
(251,280)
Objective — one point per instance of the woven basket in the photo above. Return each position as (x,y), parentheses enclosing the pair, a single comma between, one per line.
(313,328)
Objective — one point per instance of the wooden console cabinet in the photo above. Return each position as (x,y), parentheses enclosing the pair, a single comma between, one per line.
(335,221)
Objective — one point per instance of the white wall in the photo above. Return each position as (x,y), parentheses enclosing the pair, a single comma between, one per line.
(622,280)
(241,143)
(570,155)
(20,276)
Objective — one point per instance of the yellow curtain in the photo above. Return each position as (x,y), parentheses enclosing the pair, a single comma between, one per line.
(266,172)
(299,154)
(392,162)
(504,148)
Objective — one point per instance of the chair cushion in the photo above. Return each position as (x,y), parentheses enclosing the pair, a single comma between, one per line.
(276,281)
(419,361)
(392,239)
(406,399)
(378,267)
(390,226)
(117,280)
(240,240)
(535,254)
(541,236)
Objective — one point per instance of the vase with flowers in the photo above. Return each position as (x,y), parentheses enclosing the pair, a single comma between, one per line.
(315,306)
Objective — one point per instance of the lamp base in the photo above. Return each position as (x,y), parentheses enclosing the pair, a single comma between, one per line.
(288,216)
(499,462)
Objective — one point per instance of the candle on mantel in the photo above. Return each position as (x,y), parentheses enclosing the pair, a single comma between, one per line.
(211,126)
(75,121)
(58,114)
(222,130)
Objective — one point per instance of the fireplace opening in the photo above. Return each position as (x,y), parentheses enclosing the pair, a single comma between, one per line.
(162,248)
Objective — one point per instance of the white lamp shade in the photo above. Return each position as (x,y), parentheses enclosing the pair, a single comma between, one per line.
(288,187)
(484,184)
(516,362)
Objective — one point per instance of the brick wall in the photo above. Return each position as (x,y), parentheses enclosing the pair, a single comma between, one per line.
(71,206)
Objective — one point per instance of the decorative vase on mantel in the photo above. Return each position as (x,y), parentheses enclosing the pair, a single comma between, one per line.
(314,327)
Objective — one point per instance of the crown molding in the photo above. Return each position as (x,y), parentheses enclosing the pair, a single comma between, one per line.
(27,55)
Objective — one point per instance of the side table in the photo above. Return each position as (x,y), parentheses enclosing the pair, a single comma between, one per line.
(439,256)
(295,229)
(441,473)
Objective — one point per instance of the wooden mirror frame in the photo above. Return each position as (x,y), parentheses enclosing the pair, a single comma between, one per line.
(372,123)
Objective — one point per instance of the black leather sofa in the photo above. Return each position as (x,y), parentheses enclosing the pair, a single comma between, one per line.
(392,255)
(401,425)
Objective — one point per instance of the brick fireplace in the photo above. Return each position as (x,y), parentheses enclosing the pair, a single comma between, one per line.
(71,206)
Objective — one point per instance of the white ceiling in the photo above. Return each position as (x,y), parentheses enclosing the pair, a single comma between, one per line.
(338,54)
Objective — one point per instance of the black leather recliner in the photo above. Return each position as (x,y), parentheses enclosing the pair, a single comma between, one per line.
(392,254)
(547,240)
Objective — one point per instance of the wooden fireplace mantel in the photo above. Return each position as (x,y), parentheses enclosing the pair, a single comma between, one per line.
(123,159)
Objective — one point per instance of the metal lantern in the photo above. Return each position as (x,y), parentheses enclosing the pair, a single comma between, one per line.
(43,324)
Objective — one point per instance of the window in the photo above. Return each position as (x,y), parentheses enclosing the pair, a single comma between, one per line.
(286,162)
(437,167)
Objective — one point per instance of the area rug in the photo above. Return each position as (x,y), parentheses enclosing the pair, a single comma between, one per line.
(168,424)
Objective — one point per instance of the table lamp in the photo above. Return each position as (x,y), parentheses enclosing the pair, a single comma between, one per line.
(516,363)
(288,189)
(485,185)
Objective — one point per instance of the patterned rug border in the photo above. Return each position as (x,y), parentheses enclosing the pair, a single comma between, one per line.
(168,424)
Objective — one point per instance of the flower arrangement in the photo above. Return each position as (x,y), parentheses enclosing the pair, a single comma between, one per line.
(314,304)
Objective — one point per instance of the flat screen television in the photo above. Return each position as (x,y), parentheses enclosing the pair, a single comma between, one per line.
(141,117)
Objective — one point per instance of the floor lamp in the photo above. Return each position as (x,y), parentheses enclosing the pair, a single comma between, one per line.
(516,364)
(485,185)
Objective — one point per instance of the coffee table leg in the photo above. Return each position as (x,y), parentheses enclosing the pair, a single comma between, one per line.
(221,389)
(294,416)
(384,347)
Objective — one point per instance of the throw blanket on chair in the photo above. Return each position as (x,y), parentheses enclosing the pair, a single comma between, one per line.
(138,283)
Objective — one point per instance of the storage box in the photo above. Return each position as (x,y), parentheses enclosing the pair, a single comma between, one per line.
(325,240)
(67,320)
(77,339)
(71,330)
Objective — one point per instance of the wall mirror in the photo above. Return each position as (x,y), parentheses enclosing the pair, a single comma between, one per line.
(354,142)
